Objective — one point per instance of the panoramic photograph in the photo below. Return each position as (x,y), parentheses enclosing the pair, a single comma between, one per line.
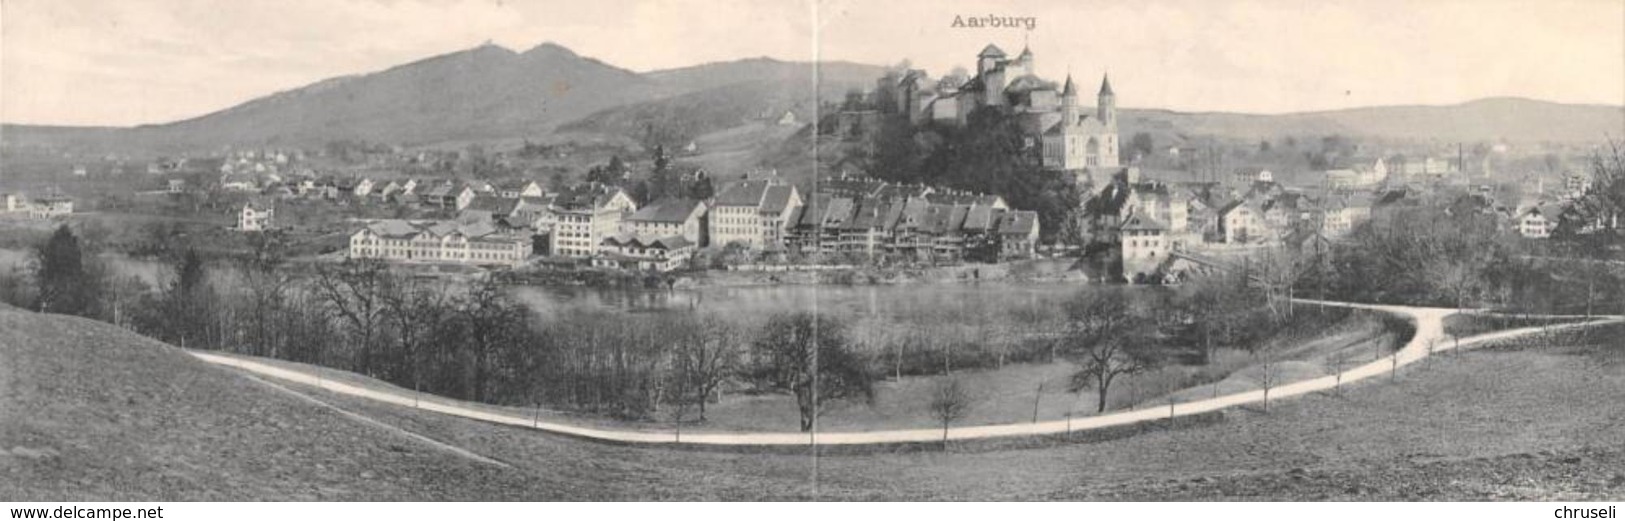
(809,250)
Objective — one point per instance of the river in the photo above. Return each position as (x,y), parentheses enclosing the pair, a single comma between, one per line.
(879,301)
(890,301)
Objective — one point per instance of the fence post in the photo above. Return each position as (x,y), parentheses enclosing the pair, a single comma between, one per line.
(1037,395)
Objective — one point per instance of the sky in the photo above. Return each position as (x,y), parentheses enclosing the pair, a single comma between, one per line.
(127,62)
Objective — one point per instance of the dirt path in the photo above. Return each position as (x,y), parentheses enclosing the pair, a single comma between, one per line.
(1430,339)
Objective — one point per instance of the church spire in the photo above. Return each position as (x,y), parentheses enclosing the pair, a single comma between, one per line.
(1070,89)
(1106,107)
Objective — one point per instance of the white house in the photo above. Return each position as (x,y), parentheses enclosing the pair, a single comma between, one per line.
(584,216)
(1242,221)
(1145,245)
(449,195)
(1535,222)
(1343,215)
(50,206)
(362,187)
(753,213)
(519,188)
(256,217)
(239,182)
(13,203)
(630,252)
(668,217)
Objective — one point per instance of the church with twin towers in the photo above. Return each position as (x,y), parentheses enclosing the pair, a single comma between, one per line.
(1063,133)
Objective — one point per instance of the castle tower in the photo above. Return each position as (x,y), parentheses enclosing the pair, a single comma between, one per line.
(1107,108)
(988,59)
(1025,61)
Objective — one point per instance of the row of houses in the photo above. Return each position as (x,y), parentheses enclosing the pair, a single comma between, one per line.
(601,224)
(1356,173)
(919,227)
(1147,220)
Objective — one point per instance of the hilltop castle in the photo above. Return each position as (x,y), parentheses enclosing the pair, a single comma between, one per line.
(1061,132)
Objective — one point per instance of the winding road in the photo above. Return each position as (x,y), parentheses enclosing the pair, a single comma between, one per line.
(1429,332)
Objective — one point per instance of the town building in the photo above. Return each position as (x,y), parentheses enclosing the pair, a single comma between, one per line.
(667,217)
(239,182)
(1357,173)
(534,212)
(953,227)
(11,203)
(1242,221)
(448,195)
(362,187)
(1345,212)
(753,213)
(518,188)
(631,252)
(50,206)
(1536,222)
(1421,168)
(256,217)
(397,240)
(1145,246)
(584,216)
(1576,183)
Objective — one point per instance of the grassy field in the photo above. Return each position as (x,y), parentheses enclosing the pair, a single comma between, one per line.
(93,412)
(1497,424)
(999,396)
(1469,324)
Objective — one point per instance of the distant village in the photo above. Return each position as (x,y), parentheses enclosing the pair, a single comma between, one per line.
(1146,221)
(513,222)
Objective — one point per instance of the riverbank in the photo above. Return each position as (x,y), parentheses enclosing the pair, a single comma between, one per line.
(1030,270)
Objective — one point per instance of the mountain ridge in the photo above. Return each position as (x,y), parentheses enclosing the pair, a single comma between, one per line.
(491,92)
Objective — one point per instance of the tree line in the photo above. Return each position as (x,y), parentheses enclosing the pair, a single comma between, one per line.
(471,341)
(475,341)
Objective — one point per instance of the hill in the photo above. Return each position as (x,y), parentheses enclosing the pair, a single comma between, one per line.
(93,412)
(1492,120)
(485,93)
(720,96)
(490,93)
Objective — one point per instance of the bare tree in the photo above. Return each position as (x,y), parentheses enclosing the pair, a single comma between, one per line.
(352,290)
(1270,374)
(1108,340)
(414,311)
(1277,271)
(1458,277)
(808,356)
(950,402)
(704,352)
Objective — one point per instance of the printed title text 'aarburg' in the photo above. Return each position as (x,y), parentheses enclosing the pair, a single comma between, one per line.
(995,22)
